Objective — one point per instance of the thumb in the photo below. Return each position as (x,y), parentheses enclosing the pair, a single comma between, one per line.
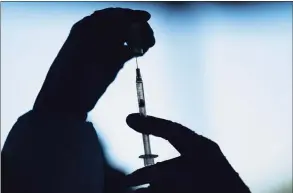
(155,173)
(126,53)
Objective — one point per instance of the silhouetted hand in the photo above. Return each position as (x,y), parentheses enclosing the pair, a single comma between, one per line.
(107,30)
(90,59)
(202,167)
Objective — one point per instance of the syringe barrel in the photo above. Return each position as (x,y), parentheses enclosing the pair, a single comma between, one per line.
(140,93)
(142,111)
(148,156)
(147,146)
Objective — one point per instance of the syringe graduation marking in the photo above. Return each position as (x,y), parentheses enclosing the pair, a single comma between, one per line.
(148,156)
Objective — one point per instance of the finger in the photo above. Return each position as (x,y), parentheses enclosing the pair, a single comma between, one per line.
(140,33)
(179,136)
(139,16)
(133,15)
(141,36)
(154,173)
(123,14)
(133,28)
(146,34)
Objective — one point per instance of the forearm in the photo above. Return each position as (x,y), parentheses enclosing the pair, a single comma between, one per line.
(231,180)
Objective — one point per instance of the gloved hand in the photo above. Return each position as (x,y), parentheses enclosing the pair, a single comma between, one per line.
(202,167)
(90,59)
(107,30)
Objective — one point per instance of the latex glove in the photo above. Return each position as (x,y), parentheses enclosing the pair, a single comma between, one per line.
(90,59)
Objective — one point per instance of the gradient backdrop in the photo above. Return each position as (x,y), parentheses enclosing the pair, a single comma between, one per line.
(222,69)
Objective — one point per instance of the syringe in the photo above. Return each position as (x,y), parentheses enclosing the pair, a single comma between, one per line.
(148,157)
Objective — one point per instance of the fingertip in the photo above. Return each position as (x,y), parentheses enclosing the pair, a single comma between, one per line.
(132,119)
(141,16)
(139,123)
